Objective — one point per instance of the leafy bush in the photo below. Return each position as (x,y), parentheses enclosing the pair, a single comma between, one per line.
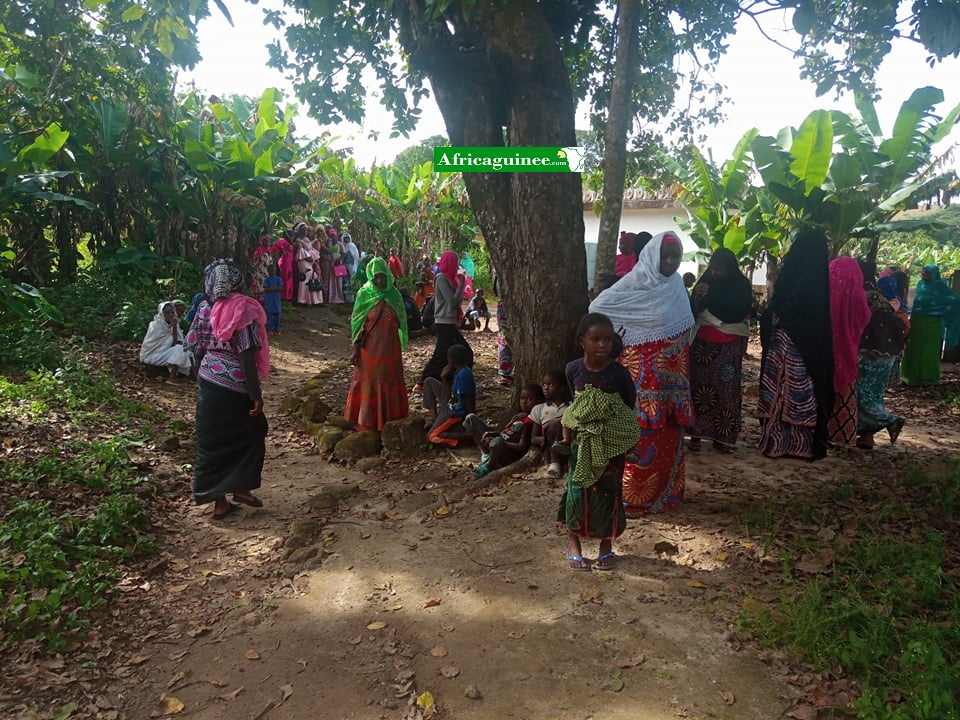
(889,615)
(121,294)
(59,558)
(29,345)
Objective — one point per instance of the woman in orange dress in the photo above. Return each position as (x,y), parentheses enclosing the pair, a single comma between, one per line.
(378,393)
(650,310)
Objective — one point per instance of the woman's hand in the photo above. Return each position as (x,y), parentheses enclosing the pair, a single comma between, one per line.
(257,407)
(355,358)
(701,290)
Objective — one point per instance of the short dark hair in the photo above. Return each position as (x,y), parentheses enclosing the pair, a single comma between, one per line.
(594,319)
(640,242)
(535,390)
(458,354)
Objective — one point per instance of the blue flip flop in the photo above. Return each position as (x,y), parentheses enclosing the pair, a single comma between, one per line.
(581,566)
(607,561)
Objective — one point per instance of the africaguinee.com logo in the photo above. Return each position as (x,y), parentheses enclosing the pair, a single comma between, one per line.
(508,159)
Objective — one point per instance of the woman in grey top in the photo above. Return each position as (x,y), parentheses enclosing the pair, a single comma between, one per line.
(448,294)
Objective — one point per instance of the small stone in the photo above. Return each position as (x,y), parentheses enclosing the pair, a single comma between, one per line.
(369,463)
(472,692)
(358,445)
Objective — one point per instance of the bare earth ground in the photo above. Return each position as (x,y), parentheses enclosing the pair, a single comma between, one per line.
(384,599)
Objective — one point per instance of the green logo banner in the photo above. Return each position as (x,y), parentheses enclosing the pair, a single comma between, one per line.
(508,159)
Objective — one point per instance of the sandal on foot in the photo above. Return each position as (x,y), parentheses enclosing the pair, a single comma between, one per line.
(480,471)
(578,564)
(561,448)
(607,561)
(894,430)
(553,470)
(231,508)
(251,500)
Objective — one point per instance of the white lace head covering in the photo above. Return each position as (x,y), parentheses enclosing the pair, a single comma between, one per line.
(644,305)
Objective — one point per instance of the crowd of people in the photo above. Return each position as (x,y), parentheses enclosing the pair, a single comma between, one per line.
(660,374)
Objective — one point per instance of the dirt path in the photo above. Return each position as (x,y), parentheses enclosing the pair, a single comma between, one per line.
(384,599)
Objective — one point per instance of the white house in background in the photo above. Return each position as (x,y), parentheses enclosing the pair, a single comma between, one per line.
(642,210)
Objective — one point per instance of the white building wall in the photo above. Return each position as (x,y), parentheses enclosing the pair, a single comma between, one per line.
(654,221)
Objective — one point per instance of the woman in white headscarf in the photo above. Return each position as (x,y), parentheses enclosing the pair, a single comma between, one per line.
(650,310)
(162,346)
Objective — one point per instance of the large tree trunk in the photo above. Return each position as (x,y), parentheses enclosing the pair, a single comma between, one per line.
(517,94)
(615,138)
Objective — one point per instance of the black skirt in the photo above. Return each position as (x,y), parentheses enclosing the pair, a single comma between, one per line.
(231,445)
(447,336)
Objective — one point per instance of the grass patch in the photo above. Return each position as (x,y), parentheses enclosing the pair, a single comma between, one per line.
(888,613)
(70,513)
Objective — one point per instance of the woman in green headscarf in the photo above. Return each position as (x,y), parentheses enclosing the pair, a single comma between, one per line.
(934,322)
(378,329)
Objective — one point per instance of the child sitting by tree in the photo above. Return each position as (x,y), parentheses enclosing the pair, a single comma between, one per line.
(547,428)
(510,444)
(451,398)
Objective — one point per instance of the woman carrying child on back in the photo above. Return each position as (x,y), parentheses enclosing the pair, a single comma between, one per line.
(510,444)
(602,424)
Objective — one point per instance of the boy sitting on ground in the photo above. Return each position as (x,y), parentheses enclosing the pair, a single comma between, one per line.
(510,444)
(451,399)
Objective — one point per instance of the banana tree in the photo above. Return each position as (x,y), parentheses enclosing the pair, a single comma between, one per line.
(721,204)
(837,171)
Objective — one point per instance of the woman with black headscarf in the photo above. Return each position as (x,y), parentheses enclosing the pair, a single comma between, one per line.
(722,300)
(796,371)
(229,339)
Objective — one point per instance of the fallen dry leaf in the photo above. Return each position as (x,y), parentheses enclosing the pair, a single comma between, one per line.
(439,651)
(138,660)
(364,535)
(171,706)
(425,700)
(286,691)
(376,626)
(590,594)
(431,602)
(450,671)
(251,655)
(695,584)
(443,512)
(728,697)
(803,712)
(177,677)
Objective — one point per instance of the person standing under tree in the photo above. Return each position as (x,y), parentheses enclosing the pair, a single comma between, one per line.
(378,328)
(395,264)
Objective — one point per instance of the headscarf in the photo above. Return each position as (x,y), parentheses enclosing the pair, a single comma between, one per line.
(233,311)
(449,264)
(935,299)
(730,299)
(222,277)
(801,306)
(469,267)
(849,315)
(263,247)
(194,306)
(644,305)
(887,284)
(159,335)
(369,296)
